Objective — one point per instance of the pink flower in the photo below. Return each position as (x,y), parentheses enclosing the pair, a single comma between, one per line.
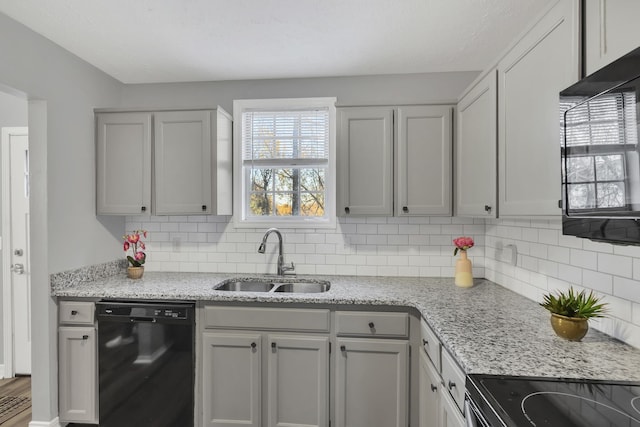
(462,244)
(134,243)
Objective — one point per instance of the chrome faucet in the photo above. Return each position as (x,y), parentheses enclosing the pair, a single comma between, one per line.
(281,267)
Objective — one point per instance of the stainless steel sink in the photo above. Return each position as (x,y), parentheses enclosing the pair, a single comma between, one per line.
(245,286)
(275,284)
(303,287)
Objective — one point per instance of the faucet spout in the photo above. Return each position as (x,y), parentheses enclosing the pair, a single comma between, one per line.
(261,249)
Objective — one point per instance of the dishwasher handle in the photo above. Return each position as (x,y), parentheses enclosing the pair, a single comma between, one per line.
(143,320)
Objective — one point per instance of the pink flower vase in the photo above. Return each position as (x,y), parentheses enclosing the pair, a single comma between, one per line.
(464,273)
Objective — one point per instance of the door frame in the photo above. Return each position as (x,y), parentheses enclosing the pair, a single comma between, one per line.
(7,288)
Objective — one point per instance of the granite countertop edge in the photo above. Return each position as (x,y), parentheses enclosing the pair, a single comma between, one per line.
(488,329)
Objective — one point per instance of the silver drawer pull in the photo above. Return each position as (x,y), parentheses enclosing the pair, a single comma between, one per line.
(425,342)
(85,337)
(434,388)
(451,385)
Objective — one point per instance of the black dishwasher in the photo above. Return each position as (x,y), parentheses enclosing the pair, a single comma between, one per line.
(146,364)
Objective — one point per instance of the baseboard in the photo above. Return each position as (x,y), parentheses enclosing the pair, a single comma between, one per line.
(53,423)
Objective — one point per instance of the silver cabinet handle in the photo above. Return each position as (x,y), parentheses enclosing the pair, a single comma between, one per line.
(18,268)
(451,385)
(434,388)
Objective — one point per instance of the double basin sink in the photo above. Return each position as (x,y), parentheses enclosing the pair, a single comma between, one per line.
(274,284)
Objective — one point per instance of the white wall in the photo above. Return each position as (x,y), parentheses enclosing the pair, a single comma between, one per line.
(430,88)
(67,233)
(548,261)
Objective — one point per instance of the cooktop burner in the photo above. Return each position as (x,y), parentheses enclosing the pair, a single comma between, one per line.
(548,402)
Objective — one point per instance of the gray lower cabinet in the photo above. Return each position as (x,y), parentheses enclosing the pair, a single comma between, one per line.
(372,383)
(264,366)
(294,388)
(77,374)
(430,393)
(231,379)
(77,363)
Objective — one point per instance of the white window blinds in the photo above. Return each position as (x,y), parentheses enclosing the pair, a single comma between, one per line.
(295,137)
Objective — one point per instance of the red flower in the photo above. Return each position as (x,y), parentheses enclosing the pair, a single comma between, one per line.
(133,238)
(126,246)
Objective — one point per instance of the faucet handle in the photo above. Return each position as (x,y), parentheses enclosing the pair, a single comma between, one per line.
(286,268)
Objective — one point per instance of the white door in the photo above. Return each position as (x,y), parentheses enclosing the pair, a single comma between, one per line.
(16,192)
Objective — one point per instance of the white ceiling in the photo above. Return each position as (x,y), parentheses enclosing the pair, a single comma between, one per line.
(146,41)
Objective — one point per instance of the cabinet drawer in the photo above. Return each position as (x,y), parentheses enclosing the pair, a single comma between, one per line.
(349,323)
(77,312)
(254,318)
(454,379)
(431,344)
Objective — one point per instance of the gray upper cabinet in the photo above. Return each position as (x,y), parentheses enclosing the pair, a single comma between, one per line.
(365,161)
(123,164)
(191,163)
(611,30)
(530,76)
(423,160)
(182,160)
(476,150)
(417,183)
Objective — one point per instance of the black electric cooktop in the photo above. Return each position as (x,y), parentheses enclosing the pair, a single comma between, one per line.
(549,402)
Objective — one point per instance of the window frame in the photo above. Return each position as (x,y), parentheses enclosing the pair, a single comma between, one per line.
(241,186)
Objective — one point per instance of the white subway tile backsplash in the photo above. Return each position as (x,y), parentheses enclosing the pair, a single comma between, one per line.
(412,246)
(615,264)
(584,259)
(599,282)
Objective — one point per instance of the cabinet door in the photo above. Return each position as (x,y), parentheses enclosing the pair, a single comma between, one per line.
(450,416)
(231,380)
(372,383)
(430,389)
(123,166)
(530,77)
(298,378)
(365,161)
(611,31)
(477,150)
(423,160)
(182,162)
(77,374)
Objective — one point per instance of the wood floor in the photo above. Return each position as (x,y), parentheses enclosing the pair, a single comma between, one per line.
(19,386)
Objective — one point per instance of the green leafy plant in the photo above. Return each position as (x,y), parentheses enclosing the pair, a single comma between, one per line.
(574,304)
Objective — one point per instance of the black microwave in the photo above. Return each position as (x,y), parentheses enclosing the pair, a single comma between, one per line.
(600,123)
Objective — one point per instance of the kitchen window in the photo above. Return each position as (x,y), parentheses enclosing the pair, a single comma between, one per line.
(284,162)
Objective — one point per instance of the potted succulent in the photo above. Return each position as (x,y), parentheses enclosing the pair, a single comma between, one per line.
(138,257)
(571,311)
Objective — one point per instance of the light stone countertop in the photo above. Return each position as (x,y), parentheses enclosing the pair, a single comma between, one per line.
(487,328)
